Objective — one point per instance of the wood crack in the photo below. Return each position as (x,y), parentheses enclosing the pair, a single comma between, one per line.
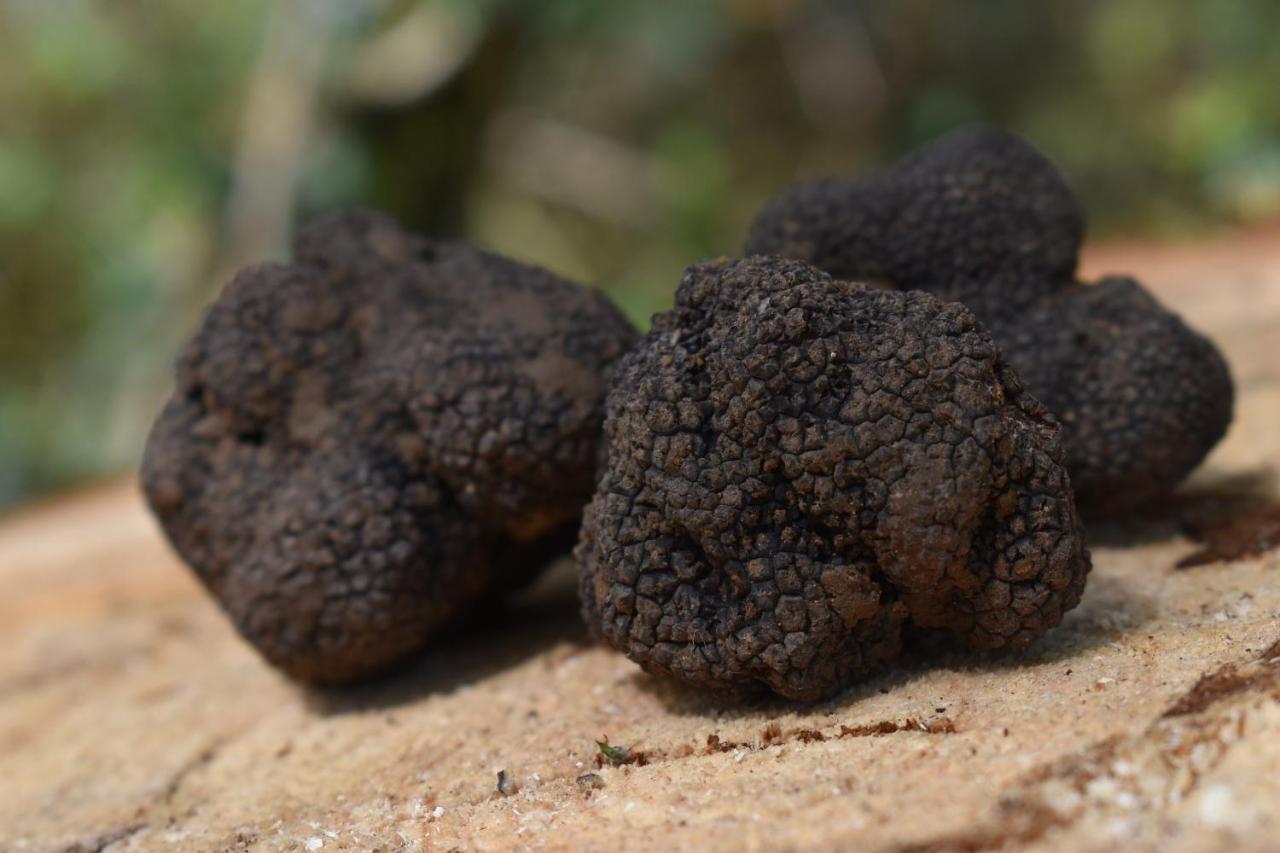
(1178,748)
(774,735)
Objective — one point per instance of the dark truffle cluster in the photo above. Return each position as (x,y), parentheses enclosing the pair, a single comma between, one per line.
(982,218)
(799,470)
(367,440)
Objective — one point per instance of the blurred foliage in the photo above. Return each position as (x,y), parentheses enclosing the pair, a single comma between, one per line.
(148,148)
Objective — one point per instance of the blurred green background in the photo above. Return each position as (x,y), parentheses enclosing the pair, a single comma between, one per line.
(150,147)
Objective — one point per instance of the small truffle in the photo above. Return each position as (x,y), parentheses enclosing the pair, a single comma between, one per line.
(800,469)
(366,441)
(980,217)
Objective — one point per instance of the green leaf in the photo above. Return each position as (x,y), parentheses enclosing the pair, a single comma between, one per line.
(614,754)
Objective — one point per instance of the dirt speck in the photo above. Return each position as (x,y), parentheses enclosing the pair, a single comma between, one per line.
(590,781)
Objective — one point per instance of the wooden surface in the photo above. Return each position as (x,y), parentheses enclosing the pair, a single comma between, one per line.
(131,717)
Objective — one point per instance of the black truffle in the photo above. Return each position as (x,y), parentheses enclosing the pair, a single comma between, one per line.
(980,217)
(800,469)
(371,438)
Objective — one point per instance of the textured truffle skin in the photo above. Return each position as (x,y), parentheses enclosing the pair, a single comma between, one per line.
(369,439)
(980,217)
(1142,397)
(799,470)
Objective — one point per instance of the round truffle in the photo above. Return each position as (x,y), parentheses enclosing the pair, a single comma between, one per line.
(1142,397)
(800,469)
(366,441)
(981,217)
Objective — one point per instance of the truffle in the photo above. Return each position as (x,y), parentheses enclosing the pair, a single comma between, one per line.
(980,217)
(366,441)
(800,470)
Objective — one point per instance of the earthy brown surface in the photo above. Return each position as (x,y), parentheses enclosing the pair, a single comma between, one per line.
(981,217)
(802,472)
(131,717)
(370,440)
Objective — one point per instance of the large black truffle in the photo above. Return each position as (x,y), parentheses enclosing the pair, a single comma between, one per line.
(371,438)
(800,469)
(981,217)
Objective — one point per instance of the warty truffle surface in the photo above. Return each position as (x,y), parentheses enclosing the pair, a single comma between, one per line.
(800,469)
(366,441)
(981,217)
